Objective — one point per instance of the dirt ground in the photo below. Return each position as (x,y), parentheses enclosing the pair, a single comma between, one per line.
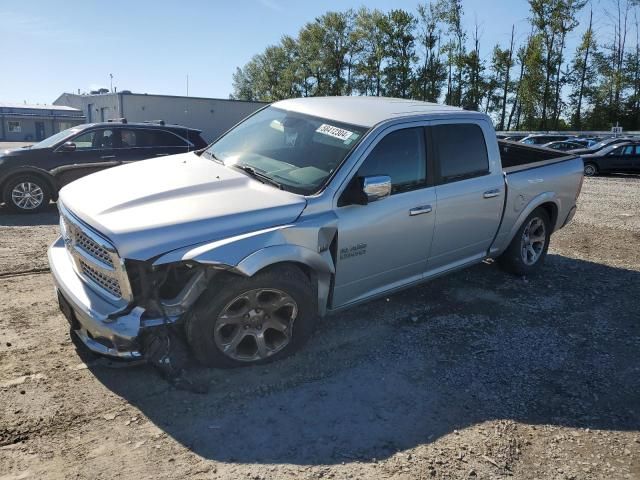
(475,375)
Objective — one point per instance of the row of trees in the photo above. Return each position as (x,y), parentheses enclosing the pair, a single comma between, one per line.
(429,55)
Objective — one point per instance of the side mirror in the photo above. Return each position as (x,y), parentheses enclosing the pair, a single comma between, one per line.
(376,187)
(68,147)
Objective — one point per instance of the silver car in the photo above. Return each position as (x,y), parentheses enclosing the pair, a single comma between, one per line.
(307,207)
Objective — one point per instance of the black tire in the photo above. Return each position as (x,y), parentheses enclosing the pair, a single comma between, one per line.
(512,260)
(28,179)
(590,169)
(200,325)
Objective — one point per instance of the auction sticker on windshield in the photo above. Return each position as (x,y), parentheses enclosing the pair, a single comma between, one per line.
(334,132)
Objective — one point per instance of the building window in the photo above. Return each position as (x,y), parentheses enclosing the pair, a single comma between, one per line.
(14,127)
(65,125)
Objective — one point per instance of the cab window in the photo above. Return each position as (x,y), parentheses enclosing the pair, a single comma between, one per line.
(400,155)
(461,151)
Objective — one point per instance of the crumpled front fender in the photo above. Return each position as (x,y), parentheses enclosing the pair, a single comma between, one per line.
(306,242)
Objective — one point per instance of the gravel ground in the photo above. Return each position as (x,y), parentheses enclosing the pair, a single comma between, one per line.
(475,375)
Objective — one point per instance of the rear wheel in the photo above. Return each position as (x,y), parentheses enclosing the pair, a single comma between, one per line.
(590,169)
(528,249)
(27,193)
(252,320)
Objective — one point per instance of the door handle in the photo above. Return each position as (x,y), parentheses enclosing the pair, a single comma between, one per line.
(104,157)
(161,154)
(420,210)
(491,193)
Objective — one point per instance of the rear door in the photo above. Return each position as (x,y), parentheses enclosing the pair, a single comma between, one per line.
(145,143)
(470,195)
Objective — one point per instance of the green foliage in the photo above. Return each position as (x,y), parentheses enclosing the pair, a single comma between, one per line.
(428,55)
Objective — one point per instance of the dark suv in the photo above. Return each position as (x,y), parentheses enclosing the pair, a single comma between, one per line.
(31,176)
(623,158)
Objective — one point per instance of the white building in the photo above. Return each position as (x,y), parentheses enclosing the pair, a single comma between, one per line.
(211,115)
(27,123)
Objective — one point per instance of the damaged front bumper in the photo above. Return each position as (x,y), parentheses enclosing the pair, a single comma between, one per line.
(104,328)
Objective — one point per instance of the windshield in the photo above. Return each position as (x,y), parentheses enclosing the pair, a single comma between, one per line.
(606,142)
(53,139)
(297,152)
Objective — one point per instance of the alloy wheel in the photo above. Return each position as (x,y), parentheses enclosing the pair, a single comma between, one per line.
(256,324)
(27,195)
(533,241)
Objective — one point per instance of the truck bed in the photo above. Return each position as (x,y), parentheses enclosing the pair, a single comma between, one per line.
(538,175)
(516,156)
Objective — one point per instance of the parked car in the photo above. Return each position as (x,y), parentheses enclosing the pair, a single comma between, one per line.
(308,206)
(541,139)
(615,158)
(516,137)
(563,145)
(584,142)
(30,177)
(596,147)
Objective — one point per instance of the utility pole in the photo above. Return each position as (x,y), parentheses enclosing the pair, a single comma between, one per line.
(187,84)
(111,82)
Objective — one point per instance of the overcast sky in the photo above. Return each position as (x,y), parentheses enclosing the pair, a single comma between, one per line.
(50,47)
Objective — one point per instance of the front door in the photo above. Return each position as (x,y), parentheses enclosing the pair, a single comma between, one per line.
(470,195)
(40,131)
(385,244)
(620,159)
(93,152)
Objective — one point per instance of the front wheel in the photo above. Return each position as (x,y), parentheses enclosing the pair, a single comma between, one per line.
(528,249)
(26,194)
(590,170)
(252,320)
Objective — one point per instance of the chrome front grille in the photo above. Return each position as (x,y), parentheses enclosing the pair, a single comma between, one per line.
(92,248)
(95,259)
(109,283)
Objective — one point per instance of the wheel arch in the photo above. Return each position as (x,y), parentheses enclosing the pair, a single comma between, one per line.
(548,201)
(552,210)
(318,267)
(44,174)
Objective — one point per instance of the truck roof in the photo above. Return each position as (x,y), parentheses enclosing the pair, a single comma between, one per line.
(365,111)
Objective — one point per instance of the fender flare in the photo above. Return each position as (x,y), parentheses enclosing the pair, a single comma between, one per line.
(545,197)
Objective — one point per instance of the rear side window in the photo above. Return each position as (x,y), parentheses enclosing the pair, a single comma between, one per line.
(167,139)
(400,155)
(461,151)
(140,137)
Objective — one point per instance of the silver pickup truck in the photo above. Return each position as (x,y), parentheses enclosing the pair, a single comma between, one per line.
(306,207)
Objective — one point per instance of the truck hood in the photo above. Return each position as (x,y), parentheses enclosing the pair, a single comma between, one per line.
(154,206)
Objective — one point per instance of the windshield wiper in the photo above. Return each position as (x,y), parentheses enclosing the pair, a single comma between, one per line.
(259,176)
(212,155)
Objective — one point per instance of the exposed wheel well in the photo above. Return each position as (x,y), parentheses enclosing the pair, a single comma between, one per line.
(306,269)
